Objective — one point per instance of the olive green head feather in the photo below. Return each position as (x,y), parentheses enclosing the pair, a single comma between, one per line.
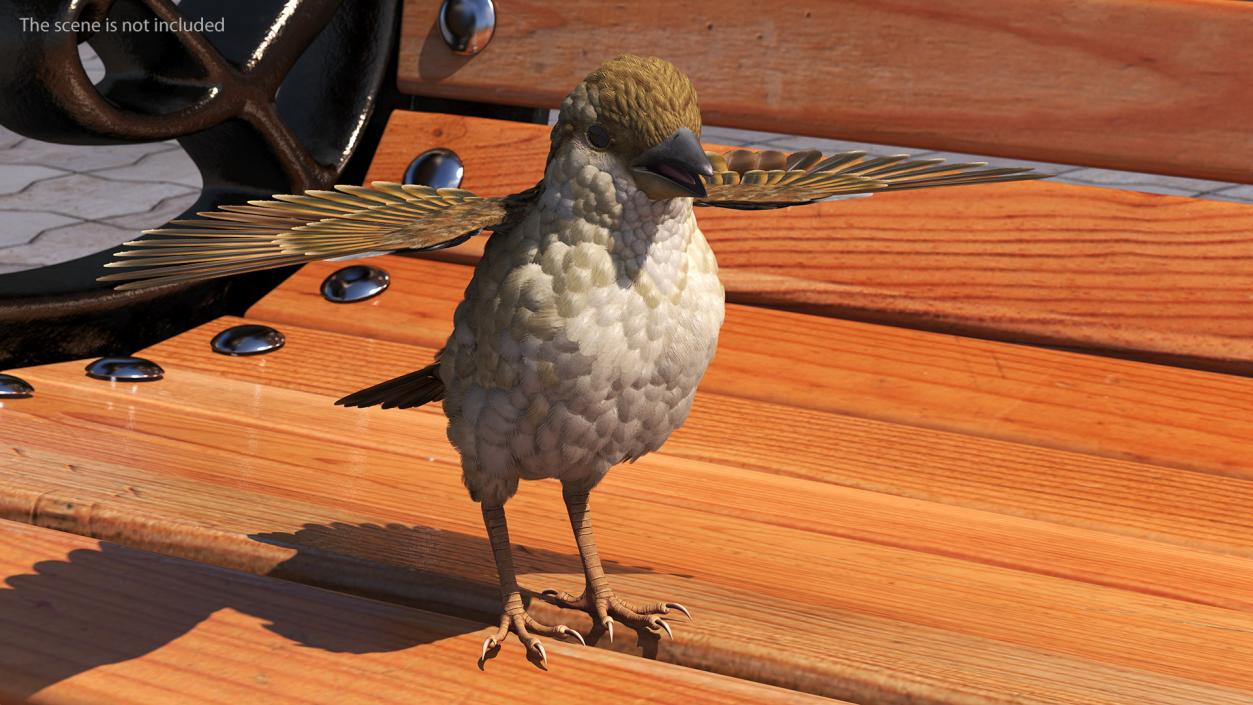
(638,101)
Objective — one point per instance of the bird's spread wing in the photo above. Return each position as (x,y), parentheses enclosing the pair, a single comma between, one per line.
(294,229)
(753,180)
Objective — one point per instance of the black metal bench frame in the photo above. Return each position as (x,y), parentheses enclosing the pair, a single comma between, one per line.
(277,102)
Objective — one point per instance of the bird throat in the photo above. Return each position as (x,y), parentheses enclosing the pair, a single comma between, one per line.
(586,202)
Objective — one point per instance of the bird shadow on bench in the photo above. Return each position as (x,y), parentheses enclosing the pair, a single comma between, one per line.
(433,569)
(115,603)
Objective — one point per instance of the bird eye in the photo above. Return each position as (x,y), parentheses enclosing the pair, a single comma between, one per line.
(598,136)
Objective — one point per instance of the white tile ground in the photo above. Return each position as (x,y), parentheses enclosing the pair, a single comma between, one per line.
(64,243)
(19,229)
(16,177)
(170,165)
(160,214)
(1242,194)
(89,197)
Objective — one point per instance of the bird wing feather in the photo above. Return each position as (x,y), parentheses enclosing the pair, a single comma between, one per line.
(348,222)
(752,180)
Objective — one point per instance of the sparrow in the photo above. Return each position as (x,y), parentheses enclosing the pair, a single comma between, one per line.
(592,314)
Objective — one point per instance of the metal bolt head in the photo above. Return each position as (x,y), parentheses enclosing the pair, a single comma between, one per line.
(247,339)
(14,388)
(125,369)
(467,25)
(356,283)
(437,168)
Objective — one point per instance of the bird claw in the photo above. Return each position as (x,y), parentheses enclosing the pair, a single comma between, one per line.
(488,644)
(681,608)
(606,607)
(517,620)
(662,623)
(567,631)
(543,655)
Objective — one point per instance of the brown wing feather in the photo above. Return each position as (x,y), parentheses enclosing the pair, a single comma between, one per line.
(293,229)
(749,179)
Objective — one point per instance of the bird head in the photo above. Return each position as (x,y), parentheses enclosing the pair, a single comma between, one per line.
(640,115)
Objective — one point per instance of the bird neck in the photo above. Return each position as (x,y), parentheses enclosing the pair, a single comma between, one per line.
(591,198)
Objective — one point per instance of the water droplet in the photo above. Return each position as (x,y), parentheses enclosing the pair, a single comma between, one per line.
(247,339)
(437,168)
(356,283)
(14,388)
(467,25)
(125,369)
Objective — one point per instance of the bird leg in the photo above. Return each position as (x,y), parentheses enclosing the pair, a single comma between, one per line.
(514,616)
(598,599)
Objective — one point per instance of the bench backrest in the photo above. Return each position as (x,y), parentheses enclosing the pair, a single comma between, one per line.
(1161,86)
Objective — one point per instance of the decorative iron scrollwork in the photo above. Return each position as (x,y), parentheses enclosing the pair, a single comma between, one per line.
(274,99)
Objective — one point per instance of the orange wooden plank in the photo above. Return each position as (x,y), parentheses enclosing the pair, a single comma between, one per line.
(223,463)
(1074,81)
(1155,277)
(1101,406)
(91,622)
(1181,507)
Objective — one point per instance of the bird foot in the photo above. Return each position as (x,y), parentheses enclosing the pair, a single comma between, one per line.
(516,619)
(605,608)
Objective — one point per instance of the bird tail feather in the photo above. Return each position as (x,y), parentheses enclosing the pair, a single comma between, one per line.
(403,392)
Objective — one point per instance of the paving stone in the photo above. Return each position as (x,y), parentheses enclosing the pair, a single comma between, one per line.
(73,157)
(171,166)
(160,214)
(735,135)
(1240,194)
(14,178)
(91,63)
(9,138)
(1141,182)
(89,197)
(20,228)
(66,243)
(790,143)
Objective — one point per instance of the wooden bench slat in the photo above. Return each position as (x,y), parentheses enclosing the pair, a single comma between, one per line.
(1156,277)
(1186,508)
(92,622)
(823,620)
(1086,82)
(866,516)
(1101,406)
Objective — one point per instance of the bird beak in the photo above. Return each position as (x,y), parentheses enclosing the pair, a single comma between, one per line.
(673,168)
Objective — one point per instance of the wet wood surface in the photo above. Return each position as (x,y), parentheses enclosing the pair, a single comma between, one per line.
(876,534)
(85,621)
(1160,278)
(1074,81)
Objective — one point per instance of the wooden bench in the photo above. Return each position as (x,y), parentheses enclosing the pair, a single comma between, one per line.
(87,621)
(999,520)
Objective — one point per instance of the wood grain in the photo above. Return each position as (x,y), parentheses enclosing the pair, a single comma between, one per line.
(1112,408)
(1161,278)
(177,466)
(92,622)
(1153,502)
(1073,81)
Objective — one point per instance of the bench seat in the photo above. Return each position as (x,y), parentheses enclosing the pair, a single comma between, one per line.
(968,545)
(1153,277)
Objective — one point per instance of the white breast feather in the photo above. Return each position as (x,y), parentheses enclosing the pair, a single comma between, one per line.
(583,334)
